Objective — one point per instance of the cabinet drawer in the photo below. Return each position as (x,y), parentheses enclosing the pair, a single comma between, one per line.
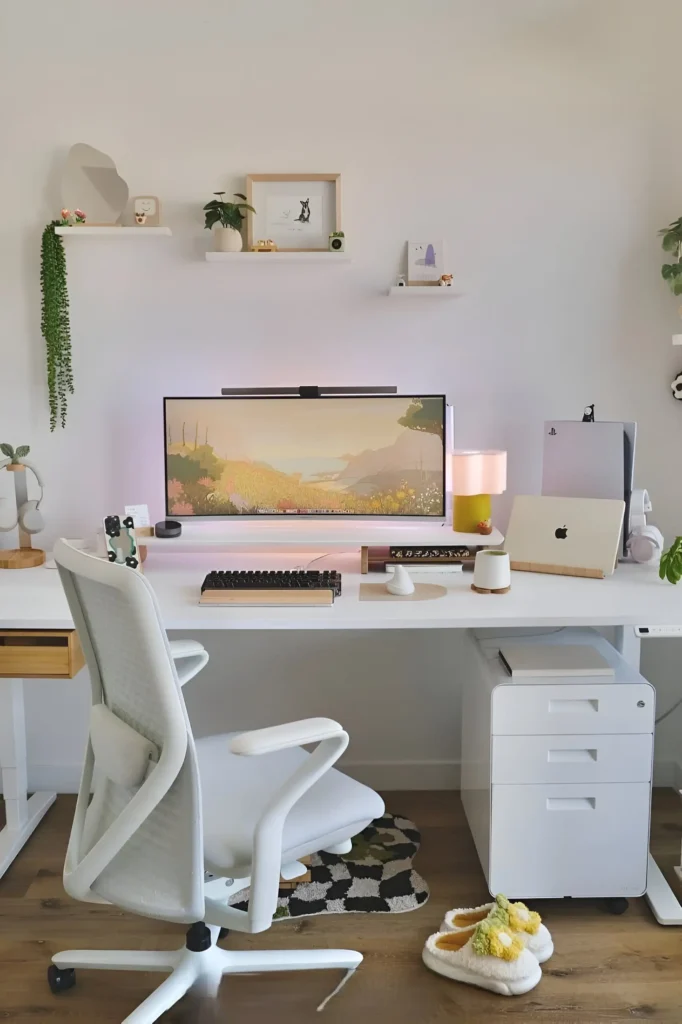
(552,841)
(50,653)
(586,758)
(572,709)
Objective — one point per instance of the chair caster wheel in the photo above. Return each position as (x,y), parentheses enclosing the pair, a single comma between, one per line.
(617,905)
(224,932)
(60,979)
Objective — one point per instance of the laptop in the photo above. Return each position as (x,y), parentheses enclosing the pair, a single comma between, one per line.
(567,536)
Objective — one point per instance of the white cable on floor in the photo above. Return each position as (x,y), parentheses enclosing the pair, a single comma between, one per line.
(336,991)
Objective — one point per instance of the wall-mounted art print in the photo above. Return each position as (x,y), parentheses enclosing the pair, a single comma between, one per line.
(295,211)
(424,263)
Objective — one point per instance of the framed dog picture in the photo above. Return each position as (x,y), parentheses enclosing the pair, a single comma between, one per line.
(298,212)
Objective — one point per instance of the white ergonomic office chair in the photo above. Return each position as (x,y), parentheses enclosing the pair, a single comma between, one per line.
(174,827)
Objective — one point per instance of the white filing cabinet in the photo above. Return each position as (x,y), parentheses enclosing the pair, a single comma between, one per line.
(556,774)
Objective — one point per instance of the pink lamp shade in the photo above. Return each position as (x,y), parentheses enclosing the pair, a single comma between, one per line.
(479,472)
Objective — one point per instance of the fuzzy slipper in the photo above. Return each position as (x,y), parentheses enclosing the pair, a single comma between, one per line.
(487,955)
(521,921)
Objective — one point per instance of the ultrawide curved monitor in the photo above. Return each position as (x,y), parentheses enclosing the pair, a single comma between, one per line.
(341,456)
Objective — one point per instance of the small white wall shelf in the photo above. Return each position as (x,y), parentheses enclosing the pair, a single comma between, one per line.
(110,231)
(436,293)
(278,257)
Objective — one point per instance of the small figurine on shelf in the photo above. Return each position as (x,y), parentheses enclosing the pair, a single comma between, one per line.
(400,281)
(337,241)
(445,281)
(485,527)
(264,245)
(80,216)
(140,218)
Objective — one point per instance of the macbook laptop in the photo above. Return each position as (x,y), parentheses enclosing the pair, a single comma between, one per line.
(569,536)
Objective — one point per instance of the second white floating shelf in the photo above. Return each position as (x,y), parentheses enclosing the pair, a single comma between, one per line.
(278,257)
(425,292)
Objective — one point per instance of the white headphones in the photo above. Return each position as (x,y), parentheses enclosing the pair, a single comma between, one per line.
(29,517)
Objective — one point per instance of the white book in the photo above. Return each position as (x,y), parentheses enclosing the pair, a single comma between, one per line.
(554,660)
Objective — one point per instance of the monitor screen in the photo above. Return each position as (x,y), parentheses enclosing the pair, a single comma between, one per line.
(342,456)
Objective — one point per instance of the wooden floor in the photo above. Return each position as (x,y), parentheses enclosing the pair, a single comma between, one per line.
(605,968)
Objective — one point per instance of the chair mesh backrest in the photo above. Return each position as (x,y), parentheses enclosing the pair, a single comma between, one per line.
(159,870)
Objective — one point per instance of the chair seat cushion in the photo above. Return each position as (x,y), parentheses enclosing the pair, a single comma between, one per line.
(236,790)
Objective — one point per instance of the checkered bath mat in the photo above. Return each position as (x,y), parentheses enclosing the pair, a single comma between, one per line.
(375,877)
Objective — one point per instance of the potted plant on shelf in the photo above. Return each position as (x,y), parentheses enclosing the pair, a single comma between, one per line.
(226,219)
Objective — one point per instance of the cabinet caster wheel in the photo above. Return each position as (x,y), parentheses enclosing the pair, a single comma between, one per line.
(60,979)
(224,932)
(617,905)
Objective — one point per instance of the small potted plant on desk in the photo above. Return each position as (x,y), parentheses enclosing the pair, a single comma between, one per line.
(227,219)
(670,568)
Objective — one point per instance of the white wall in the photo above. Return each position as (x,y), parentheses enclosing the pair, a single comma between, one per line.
(536,137)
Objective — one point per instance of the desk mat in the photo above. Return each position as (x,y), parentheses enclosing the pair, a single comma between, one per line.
(422,592)
(376,877)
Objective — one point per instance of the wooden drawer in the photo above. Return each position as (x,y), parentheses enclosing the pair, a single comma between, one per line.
(572,709)
(535,759)
(40,653)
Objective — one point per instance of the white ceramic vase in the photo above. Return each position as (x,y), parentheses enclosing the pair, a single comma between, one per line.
(492,570)
(227,239)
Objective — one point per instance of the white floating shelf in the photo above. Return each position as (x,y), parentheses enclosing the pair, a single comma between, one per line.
(111,231)
(278,257)
(422,292)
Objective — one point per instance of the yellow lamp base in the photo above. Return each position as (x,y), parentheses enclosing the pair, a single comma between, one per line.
(469,510)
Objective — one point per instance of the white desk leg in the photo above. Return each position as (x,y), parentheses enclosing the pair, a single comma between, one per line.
(21,813)
(664,904)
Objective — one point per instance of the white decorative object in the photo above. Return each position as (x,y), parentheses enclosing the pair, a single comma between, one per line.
(147,211)
(677,387)
(337,242)
(90,181)
(424,263)
(400,281)
(227,239)
(401,584)
(492,572)
(445,281)
(645,545)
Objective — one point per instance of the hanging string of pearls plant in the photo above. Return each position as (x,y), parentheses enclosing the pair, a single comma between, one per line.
(55,323)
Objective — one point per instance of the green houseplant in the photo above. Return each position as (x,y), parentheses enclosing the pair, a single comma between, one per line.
(672,243)
(55,323)
(15,455)
(227,219)
(670,568)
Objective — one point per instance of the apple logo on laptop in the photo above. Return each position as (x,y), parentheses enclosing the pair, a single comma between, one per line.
(561,533)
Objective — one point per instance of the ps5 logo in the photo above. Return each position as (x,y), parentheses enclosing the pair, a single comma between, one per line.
(552,432)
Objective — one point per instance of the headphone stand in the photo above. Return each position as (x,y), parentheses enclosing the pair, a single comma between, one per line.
(25,556)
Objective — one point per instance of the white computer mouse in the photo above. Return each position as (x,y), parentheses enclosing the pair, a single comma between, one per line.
(400,583)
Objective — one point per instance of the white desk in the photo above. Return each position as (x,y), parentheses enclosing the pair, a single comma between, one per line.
(33,599)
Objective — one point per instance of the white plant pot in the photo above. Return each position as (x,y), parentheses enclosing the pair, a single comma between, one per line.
(228,239)
(492,570)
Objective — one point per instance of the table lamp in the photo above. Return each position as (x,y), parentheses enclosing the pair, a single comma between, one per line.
(475,476)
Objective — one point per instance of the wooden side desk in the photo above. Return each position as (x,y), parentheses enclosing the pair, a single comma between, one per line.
(26,654)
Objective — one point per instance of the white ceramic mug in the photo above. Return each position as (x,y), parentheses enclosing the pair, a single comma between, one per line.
(492,570)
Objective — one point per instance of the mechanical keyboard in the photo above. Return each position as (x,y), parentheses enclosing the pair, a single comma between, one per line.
(271,588)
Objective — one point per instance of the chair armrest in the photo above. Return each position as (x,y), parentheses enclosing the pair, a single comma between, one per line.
(192,650)
(331,740)
(279,737)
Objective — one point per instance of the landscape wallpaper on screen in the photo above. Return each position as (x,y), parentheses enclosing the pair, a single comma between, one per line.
(346,456)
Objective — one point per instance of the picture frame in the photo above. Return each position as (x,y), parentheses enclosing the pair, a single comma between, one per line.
(146,211)
(425,263)
(297,211)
